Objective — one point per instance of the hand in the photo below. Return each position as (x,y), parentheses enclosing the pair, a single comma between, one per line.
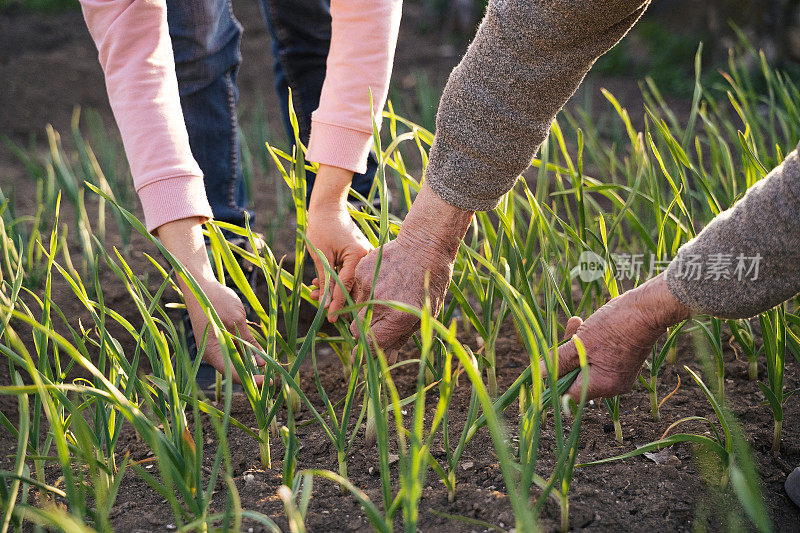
(184,240)
(401,279)
(231,311)
(336,236)
(426,245)
(618,337)
(332,232)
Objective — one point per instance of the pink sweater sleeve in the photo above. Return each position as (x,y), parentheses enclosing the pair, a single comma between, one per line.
(135,52)
(363,41)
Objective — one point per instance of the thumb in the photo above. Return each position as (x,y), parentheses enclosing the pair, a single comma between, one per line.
(347,275)
(567,353)
(572,327)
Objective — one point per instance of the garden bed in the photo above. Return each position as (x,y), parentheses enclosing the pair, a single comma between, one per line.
(673,490)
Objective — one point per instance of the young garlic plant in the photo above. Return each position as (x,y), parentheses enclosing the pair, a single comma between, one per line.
(659,356)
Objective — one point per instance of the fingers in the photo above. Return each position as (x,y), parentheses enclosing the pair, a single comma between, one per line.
(317,282)
(354,331)
(347,275)
(247,335)
(360,294)
(567,353)
(567,360)
(596,386)
(240,328)
(601,384)
(390,333)
(576,389)
(214,358)
(257,378)
(390,330)
(393,329)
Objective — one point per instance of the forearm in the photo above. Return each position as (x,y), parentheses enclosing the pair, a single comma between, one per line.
(359,66)
(527,59)
(746,260)
(135,52)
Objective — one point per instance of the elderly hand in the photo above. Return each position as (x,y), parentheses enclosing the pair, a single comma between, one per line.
(427,244)
(332,232)
(618,337)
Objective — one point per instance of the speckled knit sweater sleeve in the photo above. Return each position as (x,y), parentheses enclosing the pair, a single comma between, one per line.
(527,59)
(765,223)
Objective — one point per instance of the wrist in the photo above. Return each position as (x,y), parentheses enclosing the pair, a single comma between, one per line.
(659,304)
(434,227)
(330,189)
(183,239)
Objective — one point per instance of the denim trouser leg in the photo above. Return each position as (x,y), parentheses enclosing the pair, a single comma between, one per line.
(205,40)
(301,38)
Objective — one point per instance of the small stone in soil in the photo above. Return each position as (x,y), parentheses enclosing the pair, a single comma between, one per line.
(792,485)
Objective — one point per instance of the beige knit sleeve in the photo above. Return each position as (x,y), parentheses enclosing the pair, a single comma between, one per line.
(527,59)
(746,260)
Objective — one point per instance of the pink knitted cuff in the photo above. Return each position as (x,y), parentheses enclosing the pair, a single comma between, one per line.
(338,146)
(172,199)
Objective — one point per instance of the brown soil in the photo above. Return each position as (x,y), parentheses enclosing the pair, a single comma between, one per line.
(632,495)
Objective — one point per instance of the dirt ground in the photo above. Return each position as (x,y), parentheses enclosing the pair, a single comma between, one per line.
(48,64)
(632,495)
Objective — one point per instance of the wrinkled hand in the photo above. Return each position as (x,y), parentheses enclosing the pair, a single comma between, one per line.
(426,245)
(618,337)
(231,311)
(404,266)
(336,236)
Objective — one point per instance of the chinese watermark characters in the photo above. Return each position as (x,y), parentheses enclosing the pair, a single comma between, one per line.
(690,267)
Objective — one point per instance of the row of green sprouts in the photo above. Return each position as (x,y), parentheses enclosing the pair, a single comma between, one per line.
(643,190)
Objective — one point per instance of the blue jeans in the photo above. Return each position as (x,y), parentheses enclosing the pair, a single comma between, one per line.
(205,40)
